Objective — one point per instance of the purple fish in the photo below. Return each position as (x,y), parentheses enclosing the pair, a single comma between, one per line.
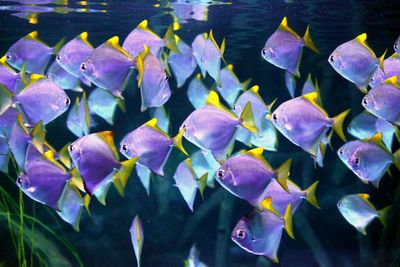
(32,53)
(151,145)
(102,103)
(391,67)
(108,66)
(260,232)
(213,127)
(248,174)
(384,101)
(285,47)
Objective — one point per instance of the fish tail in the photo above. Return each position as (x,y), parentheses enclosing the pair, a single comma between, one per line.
(310,195)
(283,173)
(121,177)
(38,134)
(246,84)
(381,59)
(178,142)
(338,124)
(58,46)
(308,41)
(6,98)
(202,182)
(266,204)
(170,39)
(383,214)
(396,160)
(288,221)
(319,159)
(247,119)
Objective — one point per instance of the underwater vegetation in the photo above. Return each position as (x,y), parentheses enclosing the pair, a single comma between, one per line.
(87,89)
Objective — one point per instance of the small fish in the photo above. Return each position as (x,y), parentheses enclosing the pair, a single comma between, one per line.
(63,78)
(384,100)
(197,92)
(276,198)
(9,78)
(285,47)
(356,61)
(391,67)
(40,100)
(260,232)
(32,53)
(230,86)
(78,121)
(267,137)
(162,117)
(359,211)
(188,183)
(152,81)
(208,55)
(366,125)
(309,86)
(212,127)
(151,146)
(193,259)
(137,237)
(305,123)
(369,159)
(73,54)
(96,159)
(102,103)
(183,63)
(248,174)
(108,66)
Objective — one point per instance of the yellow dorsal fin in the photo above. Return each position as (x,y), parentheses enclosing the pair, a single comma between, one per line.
(108,137)
(33,35)
(363,196)
(176,26)
(144,25)
(266,204)
(284,26)
(153,124)
(33,18)
(114,43)
(177,39)
(211,37)
(21,123)
(140,63)
(49,155)
(198,76)
(377,139)
(84,37)
(213,100)
(189,164)
(255,89)
(394,81)
(35,77)
(257,153)
(313,98)
(230,67)
(362,39)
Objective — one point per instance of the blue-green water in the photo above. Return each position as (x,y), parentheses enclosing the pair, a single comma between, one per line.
(323,237)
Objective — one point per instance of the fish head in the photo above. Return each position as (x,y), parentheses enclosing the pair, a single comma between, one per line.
(358,164)
(335,61)
(127,148)
(63,103)
(74,150)
(396,46)
(377,78)
(13,59)
(268,53)
(241,234)
(368,102)
(225,176)
(279,119)
(87,69)
(346,150)
(23,181)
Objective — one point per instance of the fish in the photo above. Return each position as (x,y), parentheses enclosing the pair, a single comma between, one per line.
(31,52)
(305,123)
(356,61)
(193,259)
(9,78)
(267,137)
(248,174)
(208,55)
(188,183)
(97,161)
(212,127)
(152,81)
(230,86)
(284,48)
(260,232)
(73,53)
(369,159)
(163,120)
(391,67)
(383,101)
(108,66)
(40,100)
(151,146)
(309,86)
(78,120)
(276,198)
(63,78)
(137,237)
(104,104)
(197,92)
(366,125)
(396,46)
(359,211)
(183,63)
(143,35)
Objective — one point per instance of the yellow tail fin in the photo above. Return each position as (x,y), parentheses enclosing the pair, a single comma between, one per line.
(310,195)
(308,41)
(338,124)
(247,119)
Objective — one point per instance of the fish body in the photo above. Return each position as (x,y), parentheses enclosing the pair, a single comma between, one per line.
(102,103)
(137,237)
(78,120)
(230,85)
(63,78)
(197,92)
(9,78)
(187,182)
(391,67)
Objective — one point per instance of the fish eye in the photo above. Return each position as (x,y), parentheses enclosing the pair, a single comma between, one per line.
(19,180)
(372,80)
(234,107)
(339,204)
(357,161)
(331,59)
(8,56)
(264,51)
(58,58)
(71,148)
(365,101)
(166,77)
(220,174)
(241,234)
(67,101)
(184,126)
(341,151)
(275,117)
(202,60)
(396,46)
(83,67)
(124,148)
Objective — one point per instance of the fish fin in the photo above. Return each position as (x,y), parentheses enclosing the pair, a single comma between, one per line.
(166,65)
(153,123)
(246,84)
(308,41)
(202,182)
(282,173)
(270,105)
(213,100)
(377,139)
(84,37)
(363,89)
(22,74)
(38,136)
(57,47)
(247,119)
(144,25)
(257,153)
(394,81)
(63,156)
(121,104)
(140,63)
(285,27)
(362,39)
(383,215)
(76,179)
(290,81)
(319,159)
(21,124)
(33,35)
(288,221)
(6,98)
(114,43)
(35,77)
(396,160)
(3,60)
(178,142)
(380,61)
(108,137)
(266,204)
(362,230)
(86,202)
(49,155)
(315,99)
(338,124)
(120,178)
(310,195)
(169,37)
